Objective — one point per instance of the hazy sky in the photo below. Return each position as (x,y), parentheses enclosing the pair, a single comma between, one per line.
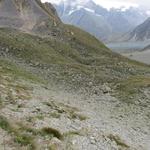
(117,3)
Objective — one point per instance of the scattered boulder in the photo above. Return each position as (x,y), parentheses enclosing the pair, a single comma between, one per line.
(106,89)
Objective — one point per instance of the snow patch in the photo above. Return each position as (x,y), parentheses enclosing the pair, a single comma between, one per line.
(148,12)
(90,10)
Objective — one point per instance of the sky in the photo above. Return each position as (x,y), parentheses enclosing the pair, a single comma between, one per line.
(117,3)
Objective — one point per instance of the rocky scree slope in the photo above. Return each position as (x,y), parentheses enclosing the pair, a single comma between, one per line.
(61,71)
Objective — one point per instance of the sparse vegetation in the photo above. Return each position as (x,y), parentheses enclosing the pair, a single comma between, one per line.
(130,88)
(25,140)
(71,112)
(14,71)
(55,115)
(22,139)
(73,61)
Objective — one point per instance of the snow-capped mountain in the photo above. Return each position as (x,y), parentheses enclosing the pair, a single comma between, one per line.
(105,24)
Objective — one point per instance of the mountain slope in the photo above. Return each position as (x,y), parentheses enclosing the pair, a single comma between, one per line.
(27,15)
(96,26)
(146,48)
(66,55)
(140,33)
(67,90)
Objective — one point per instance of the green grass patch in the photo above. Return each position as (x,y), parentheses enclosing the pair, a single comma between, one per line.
(4,124)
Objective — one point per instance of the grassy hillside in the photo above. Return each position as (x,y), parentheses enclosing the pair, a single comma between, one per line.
(75,58)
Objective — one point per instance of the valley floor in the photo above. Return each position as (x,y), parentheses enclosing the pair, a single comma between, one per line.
(142,56)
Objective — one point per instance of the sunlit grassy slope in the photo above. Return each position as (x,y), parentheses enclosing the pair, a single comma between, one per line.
(75,57)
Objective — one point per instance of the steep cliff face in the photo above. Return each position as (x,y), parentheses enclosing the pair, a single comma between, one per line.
(28,15)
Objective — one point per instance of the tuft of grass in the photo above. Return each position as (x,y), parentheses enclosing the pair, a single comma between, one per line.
(51,132)
(71,133)
(4,124)
(40,117)
(78,116)
(55,115)
(118,140)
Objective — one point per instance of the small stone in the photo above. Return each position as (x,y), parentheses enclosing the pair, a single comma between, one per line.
(37,64)
(72,33)
(92,140)
(38,109)
(7,50)
(90,83)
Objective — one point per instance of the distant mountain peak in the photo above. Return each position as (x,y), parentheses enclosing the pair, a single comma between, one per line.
(140,33)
